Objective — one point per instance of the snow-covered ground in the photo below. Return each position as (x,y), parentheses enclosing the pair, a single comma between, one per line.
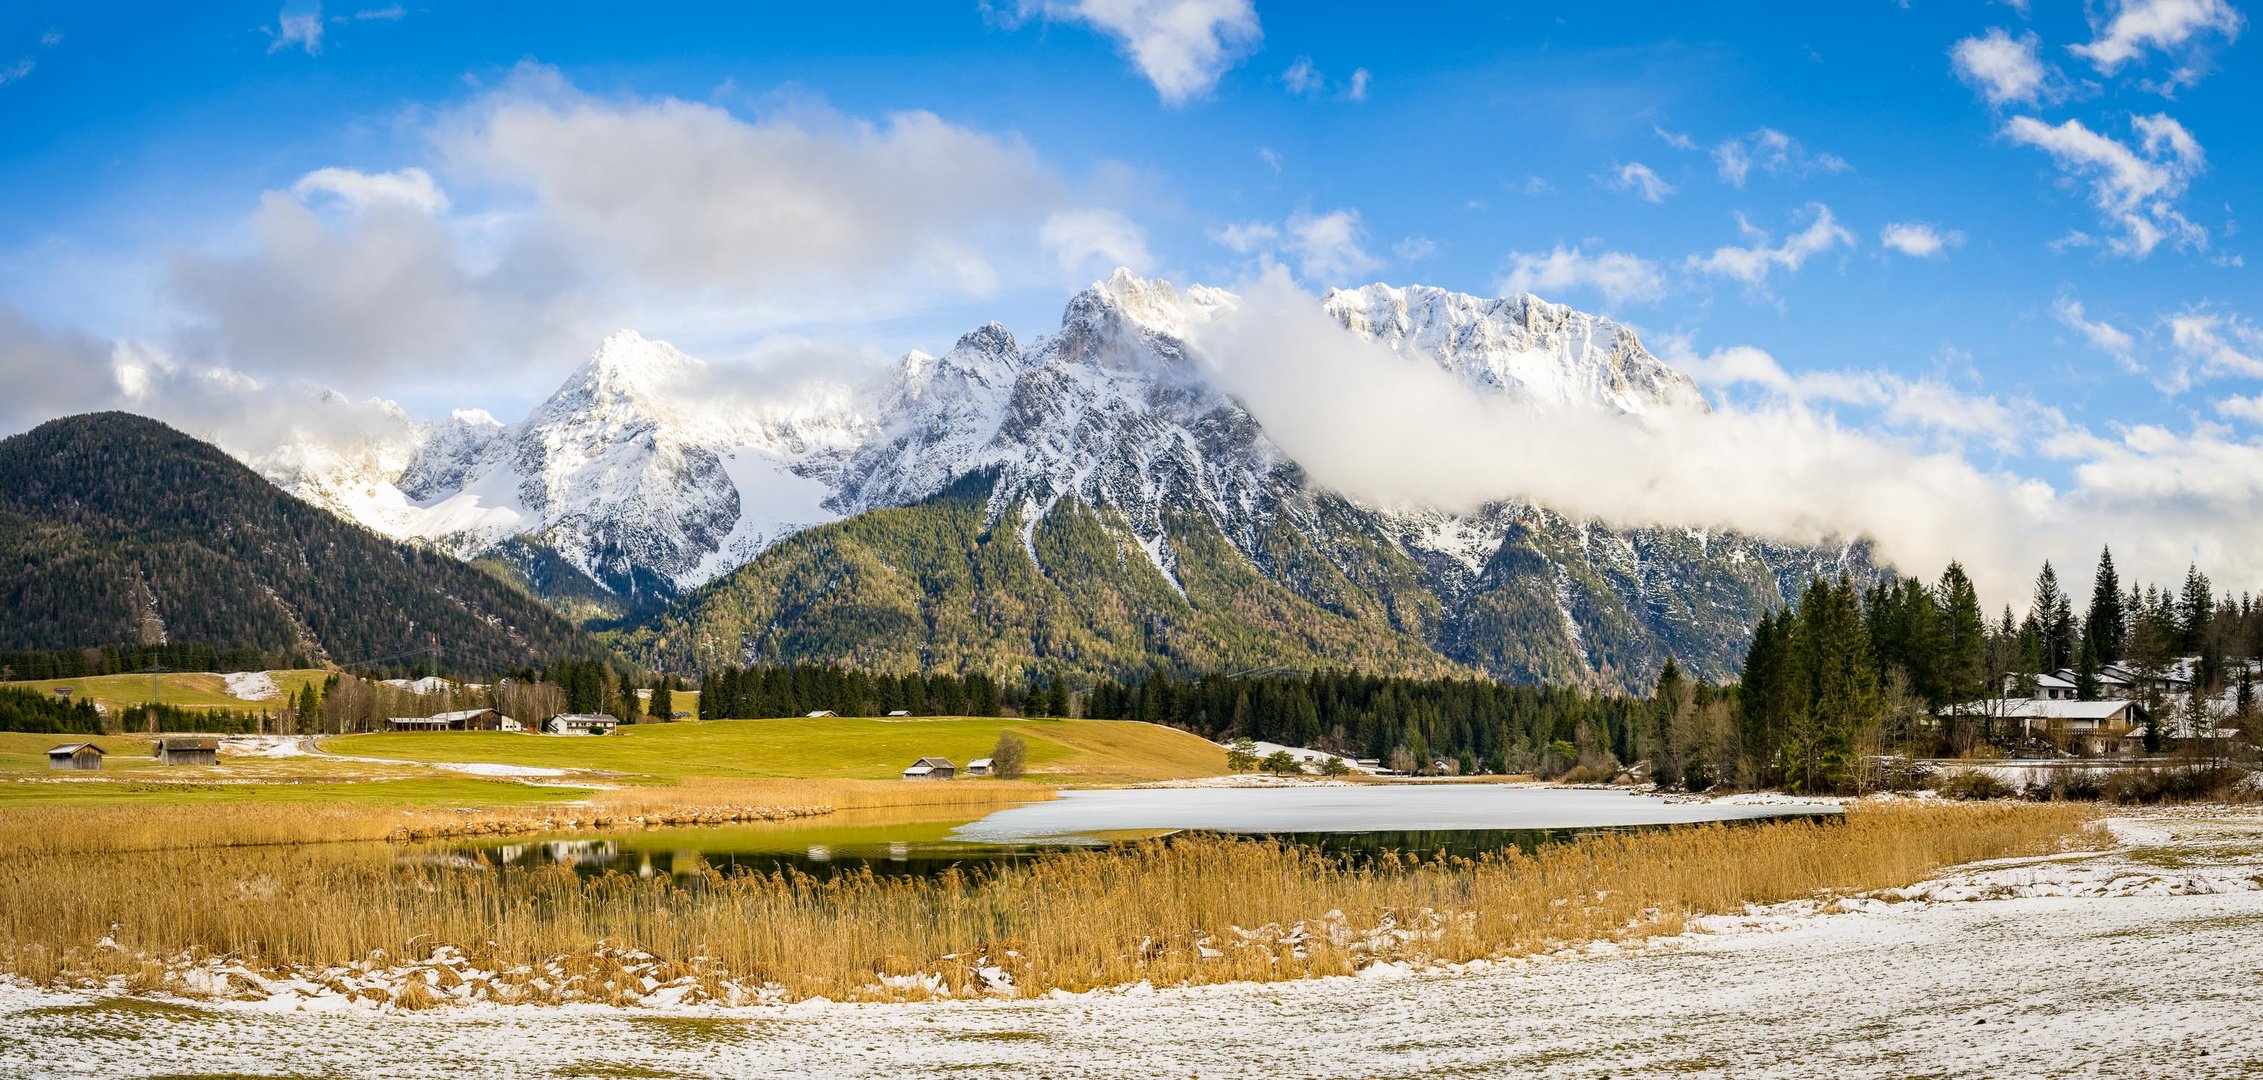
(2142,962)
(251,685)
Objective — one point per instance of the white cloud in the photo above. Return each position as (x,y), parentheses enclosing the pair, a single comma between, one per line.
(1086,240)
(2221,343)
(410,187)
(12,71)
(727,228)
(1414,249)
(1303,78)
(1677,139)
(1772,152)
(2102,336)
(1328,247)
(1826,456)
(1639,178)
(1181,46)
(2236,407)
(1247,237)
(51,38)
(1270,157)
(1753,263)
(1919,240)
(299,25)
(806,203)
(2168,26)
(2003,68)
(1617,276)
(391,13)
(2136,190)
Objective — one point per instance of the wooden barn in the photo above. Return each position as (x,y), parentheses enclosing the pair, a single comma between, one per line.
(931,768)
(186,750)
(77,755)
(460,720)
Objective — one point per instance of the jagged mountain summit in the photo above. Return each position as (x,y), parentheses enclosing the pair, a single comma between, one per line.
(1089,500)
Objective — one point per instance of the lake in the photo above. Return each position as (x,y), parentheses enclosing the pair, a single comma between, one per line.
(1357,821)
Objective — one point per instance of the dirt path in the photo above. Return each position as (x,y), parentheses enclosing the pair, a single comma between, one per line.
(2140,963)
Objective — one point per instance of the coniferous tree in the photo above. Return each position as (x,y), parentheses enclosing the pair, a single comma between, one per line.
(1963,656)
(2105,625)
(2053,618)
(2196,608)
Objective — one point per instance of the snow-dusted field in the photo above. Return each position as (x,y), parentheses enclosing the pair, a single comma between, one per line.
(2144,962)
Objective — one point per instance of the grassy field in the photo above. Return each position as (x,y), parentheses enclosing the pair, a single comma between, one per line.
(1066,751)
(421,791)
(198,690)
(24,751)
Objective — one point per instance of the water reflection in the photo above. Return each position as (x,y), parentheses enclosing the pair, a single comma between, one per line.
(677,855)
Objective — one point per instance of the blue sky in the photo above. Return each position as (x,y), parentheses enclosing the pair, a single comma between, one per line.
(1931,221)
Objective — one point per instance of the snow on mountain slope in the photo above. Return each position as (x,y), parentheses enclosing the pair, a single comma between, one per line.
(640,467)
(1521,346)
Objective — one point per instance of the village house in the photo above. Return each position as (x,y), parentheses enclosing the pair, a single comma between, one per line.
(583,724)
(77,755)
(931,768)
(2088,728)
(817,713)
(979,767)
(460,720)
(186,750)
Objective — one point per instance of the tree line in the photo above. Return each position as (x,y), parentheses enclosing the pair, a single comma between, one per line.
(1829,686)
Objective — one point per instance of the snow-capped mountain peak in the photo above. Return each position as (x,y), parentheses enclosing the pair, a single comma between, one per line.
(648,469)
(1532,350)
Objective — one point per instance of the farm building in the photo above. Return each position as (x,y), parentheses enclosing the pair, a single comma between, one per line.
(978,767)
(77,755)
(582,724)
(931,768)
(186,750)
(460,720)
(818,713)
(899,712)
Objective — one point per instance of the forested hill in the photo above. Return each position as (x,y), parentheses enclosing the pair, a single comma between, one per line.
(116,528)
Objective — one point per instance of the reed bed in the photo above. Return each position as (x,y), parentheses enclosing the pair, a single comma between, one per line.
(1188,910)
(161,826)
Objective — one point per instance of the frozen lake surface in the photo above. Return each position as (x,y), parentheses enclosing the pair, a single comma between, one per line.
(1350,808)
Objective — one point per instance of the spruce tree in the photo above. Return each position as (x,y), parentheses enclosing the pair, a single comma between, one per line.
(2106,624)
(1963,656)
(2196,608)
(2053,618)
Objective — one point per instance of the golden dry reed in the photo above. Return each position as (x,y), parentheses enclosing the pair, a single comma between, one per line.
(1191,910)
(159,826)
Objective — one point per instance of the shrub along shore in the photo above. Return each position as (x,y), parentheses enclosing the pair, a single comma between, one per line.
(357,920)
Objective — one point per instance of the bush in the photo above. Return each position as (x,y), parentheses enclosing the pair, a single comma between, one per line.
(1009,756)
(1582,774)
(2177,783)
(1335,766)
(1971,784)
(1282,763)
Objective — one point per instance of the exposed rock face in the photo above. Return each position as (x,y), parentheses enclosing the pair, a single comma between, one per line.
(652,485)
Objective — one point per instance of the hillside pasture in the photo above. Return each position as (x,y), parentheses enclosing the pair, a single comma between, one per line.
(1061,751)
(184,689)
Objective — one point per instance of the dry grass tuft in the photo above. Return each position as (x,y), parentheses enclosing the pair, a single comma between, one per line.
(1191,910)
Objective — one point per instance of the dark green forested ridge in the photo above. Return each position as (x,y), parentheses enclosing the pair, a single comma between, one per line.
(115,529)
(945,586)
